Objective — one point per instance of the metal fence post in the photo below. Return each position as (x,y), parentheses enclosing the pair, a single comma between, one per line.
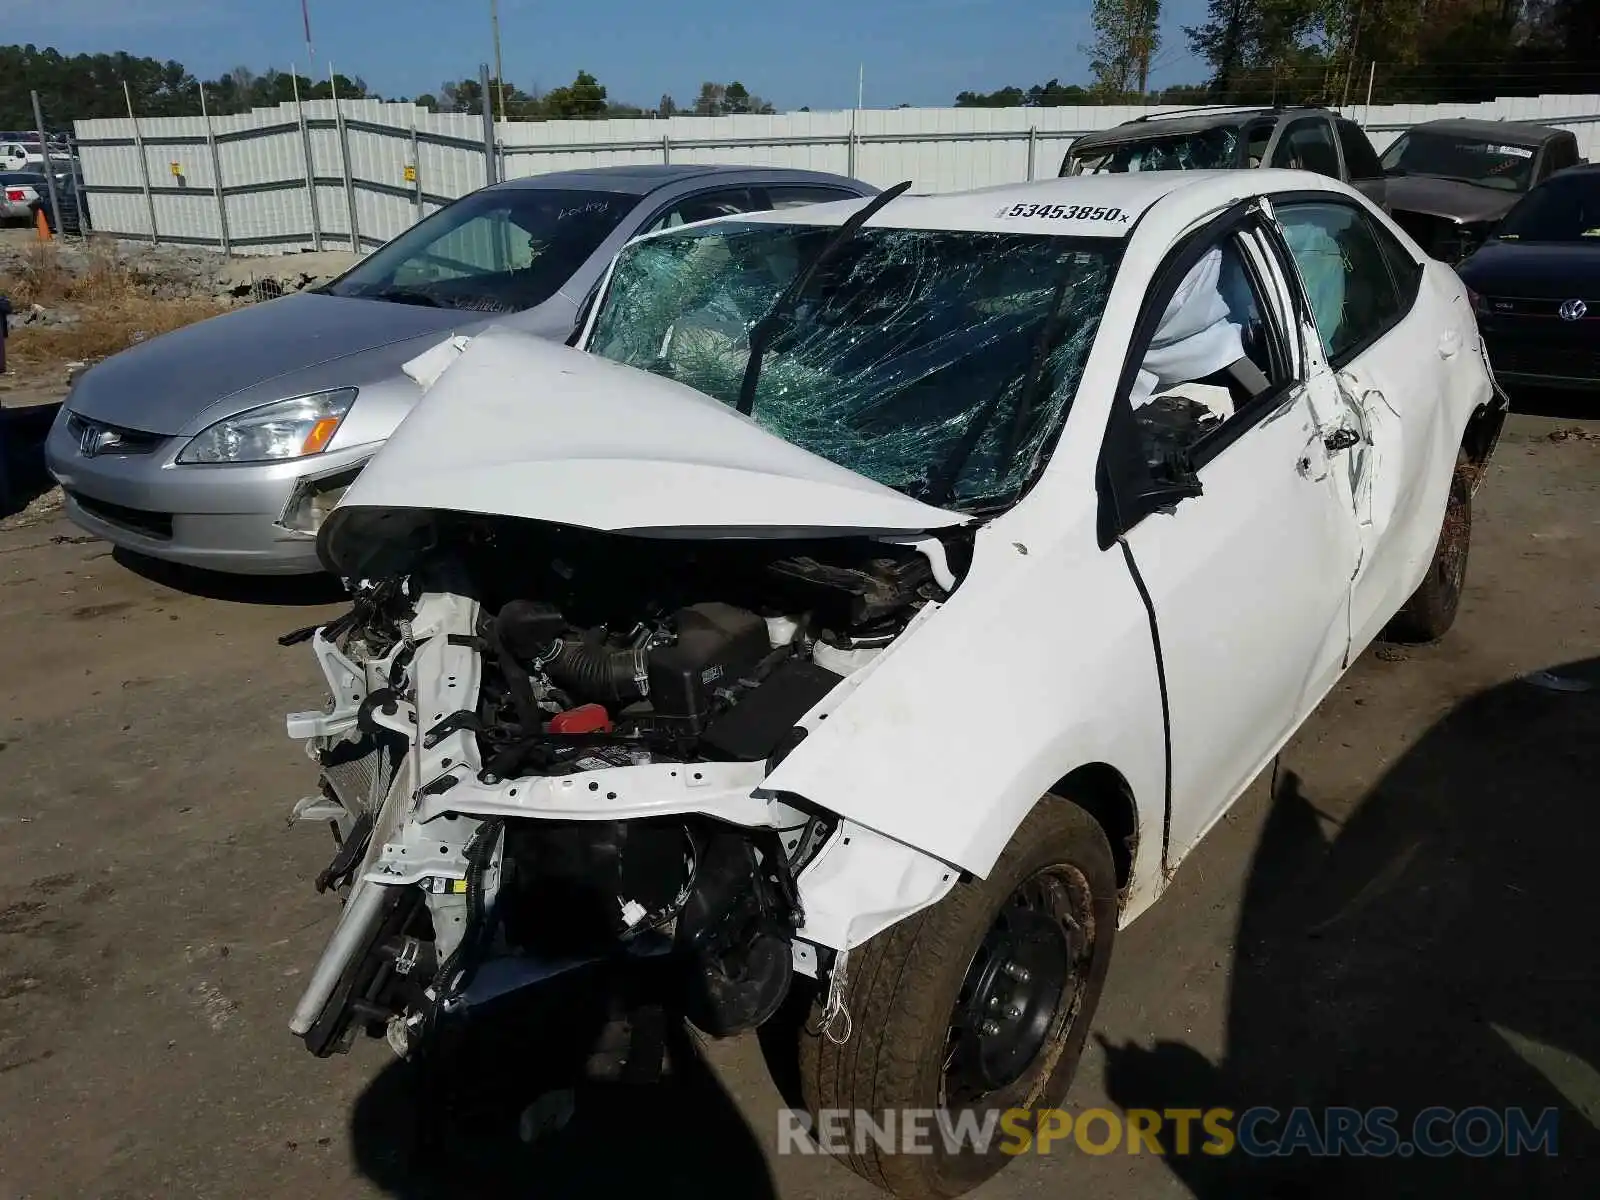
(850,157)
(49,166)
(344,159)
(144,164)
(488,128)
(85,221)
(1033,150)
(311,170)
(216,174)
(666,150)
(416,169)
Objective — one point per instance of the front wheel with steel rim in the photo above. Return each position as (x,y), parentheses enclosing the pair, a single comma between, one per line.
(973,1007)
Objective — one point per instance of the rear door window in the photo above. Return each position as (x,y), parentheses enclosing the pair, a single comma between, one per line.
(1347,273)
(703,206)
(798,195)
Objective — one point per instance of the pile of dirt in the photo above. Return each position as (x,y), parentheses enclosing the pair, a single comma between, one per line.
(76,301)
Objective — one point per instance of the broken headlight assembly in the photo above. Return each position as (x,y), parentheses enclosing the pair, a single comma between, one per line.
(314,497)
(285,429)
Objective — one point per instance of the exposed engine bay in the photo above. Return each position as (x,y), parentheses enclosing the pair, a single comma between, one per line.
(545,749)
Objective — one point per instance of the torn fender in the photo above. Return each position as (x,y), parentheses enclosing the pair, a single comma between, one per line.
(1040,663)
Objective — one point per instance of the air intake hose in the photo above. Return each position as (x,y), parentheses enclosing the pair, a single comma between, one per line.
(595,673)
(532,631)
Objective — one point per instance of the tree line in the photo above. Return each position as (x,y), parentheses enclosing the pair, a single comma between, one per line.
(1255,51)
(1330,51)
(83,86)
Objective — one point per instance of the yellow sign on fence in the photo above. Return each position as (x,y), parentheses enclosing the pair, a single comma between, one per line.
(411,173)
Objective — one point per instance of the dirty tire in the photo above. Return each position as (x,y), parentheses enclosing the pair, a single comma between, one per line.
(903,990)
(1431,611)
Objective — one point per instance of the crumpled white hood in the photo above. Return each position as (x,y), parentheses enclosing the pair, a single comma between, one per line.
(519,426)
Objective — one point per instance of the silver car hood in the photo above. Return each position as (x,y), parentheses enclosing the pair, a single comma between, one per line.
(182,381)
(523,427)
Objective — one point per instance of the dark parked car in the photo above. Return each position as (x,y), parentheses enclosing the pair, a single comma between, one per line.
(1451,180)
(1309,139)
(1536,285)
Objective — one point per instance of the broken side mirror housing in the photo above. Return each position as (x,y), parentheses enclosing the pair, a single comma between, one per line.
(1172,480)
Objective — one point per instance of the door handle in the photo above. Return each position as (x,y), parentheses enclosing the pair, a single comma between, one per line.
(1339,440)
(1449,343)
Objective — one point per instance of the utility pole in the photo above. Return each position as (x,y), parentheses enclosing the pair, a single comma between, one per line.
(499,70)
(311,54)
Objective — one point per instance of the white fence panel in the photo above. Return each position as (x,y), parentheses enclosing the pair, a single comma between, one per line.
(404,162)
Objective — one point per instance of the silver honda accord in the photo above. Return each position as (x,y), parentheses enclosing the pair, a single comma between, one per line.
(223,445)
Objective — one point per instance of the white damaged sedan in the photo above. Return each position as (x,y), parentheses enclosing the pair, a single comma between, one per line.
(878,612)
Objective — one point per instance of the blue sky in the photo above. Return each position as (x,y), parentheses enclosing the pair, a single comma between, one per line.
(919,52)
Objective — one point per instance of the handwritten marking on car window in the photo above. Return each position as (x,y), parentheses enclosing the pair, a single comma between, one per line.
(594,206)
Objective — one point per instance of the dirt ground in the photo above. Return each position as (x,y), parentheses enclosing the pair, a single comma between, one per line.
(1404,916)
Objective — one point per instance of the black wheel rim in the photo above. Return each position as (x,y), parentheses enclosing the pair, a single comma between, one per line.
(1021,990)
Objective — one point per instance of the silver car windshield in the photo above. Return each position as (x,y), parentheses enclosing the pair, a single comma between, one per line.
(940,363)
(500,250)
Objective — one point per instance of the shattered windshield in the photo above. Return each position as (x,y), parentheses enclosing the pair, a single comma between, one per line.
(499,250)
(1483,161)
(1205,150)
(939,363)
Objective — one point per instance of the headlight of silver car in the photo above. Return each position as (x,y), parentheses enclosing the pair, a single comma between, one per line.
(275,432)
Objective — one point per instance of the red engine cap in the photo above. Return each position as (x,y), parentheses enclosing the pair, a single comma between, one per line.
(586,718)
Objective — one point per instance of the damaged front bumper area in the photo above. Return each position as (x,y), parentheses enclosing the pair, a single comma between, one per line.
(522,786)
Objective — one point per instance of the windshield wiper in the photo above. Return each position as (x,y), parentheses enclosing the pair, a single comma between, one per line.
(943,484)
(402,296)
(762,331)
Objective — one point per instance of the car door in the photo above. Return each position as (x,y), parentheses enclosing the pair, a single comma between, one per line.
(1229,513)
(1389,345)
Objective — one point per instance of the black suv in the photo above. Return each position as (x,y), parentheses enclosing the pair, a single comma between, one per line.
(1209,139)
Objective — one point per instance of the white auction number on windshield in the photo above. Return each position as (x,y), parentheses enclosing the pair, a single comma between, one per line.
(1066,212)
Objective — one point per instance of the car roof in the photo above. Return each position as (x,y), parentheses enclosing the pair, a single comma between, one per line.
(644,178)
(1515,133)
(1103,206)
(1187,121)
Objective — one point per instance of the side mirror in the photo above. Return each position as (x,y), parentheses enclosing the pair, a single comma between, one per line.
(1173,479)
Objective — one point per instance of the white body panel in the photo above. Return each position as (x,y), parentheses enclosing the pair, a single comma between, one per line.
(520,426)
(1042,661)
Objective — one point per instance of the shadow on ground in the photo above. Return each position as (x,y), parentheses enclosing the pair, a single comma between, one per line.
(1438,949)
(486,1121)
(281,590)
(23,477)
